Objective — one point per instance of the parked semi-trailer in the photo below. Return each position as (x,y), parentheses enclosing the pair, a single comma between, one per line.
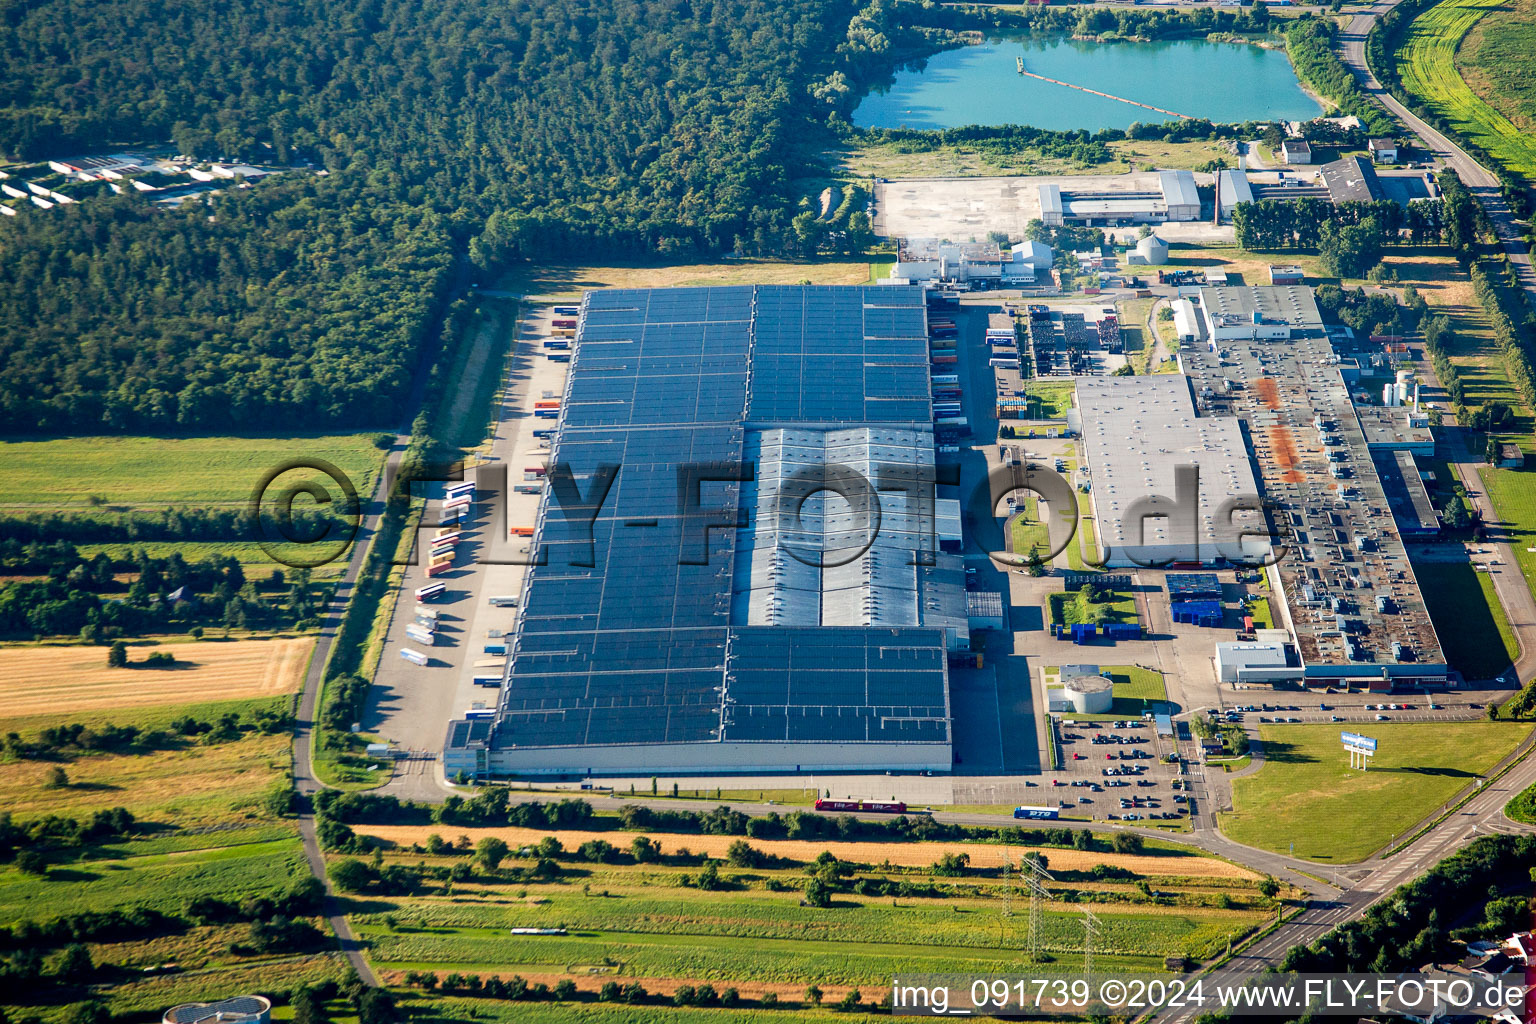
(426,616)
(544,432)
(496,649)
(487,679)
(439,568)
(1048,813)
(528,488)
(476,713)
(431,592)
(567,310)
(414,657)
(507,601)
(879,806)
(420,635)
(547,403)
(462,487)
(559,357)
(547,414)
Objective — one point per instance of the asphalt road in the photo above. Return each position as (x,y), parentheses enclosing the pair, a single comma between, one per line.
(303,736)
(1478,179)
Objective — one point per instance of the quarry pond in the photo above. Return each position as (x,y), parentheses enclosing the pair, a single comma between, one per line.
(983,85)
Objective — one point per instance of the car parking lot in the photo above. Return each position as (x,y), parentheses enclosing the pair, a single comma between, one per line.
(1114,771)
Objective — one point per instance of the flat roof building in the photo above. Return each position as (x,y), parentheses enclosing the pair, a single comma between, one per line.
(1138,432)
(1260,311)
(705,627)
(1343,546)
(1351,180)
(1175,198)
(1256,663)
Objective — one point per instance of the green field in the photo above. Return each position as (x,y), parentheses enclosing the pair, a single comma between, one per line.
(1513,493)
(203,830)
(139,472)
(1426,63)
(1495,60)
(1306,795)
(646,922)
(1027,532)
(1473,629)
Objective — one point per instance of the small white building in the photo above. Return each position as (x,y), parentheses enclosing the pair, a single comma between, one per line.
(1027,260)
(1383,151)
(1296,151)
(1255,663)
(1186,323)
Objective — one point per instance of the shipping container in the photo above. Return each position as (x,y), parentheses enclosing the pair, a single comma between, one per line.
(431,591)
(547,403)
(519,531)
(474,714)
(533,472)
(497,648)
(438,570)
(567,310)
(946,378)
(508,601)
(487,679)
(545,432)
(462,501)
(557,343)
(528,488)
(414,657)
(449,516)
(547,414)
(559,357)
(450,531)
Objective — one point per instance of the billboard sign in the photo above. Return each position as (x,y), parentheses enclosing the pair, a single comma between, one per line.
(1354,741)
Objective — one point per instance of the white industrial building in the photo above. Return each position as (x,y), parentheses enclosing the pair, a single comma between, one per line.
(1186,322)
(1260,312)
(1232,188)
(1176,199)
(1138,432)
(1256,663)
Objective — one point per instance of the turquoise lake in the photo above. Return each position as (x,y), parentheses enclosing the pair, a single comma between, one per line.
(980,85)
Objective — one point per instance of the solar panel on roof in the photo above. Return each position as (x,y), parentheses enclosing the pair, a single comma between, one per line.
(663,378)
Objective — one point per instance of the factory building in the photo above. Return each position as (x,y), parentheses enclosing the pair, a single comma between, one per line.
(1138,433)
(1259,313)
(1346,590)
(710,628)
(1175,198)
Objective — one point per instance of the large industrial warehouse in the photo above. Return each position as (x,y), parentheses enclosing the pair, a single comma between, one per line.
(1136,432)
(698,624)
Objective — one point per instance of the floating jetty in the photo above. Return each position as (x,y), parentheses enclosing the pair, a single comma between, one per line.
(1095,92)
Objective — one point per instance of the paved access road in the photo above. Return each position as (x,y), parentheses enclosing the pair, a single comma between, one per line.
(1478,179)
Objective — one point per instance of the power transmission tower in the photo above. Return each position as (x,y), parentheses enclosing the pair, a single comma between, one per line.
(1035,880)
(1007,883)
(1090,930)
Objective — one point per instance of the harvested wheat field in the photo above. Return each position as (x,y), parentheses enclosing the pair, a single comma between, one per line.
(983,855)
(43,680)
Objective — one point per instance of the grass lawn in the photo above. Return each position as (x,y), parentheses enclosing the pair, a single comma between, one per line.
(1513,492)
(1426,62)
(1136,692)
(1055,399)
(1068,608)
(1027,532)
(1307,795)
(137,472)
(571,279)
(1473,629)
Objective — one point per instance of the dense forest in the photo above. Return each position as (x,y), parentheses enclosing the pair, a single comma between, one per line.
(624,128)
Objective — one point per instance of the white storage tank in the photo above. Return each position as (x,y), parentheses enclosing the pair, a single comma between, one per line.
(1089,695)
(1153,250)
